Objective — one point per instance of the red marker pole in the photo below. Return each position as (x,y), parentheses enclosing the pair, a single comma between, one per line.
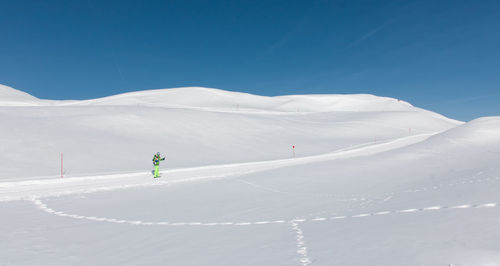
(61,165)
(293,148)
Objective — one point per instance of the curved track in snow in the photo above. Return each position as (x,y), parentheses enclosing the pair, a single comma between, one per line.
(64,186)
(42,206)
(36,190)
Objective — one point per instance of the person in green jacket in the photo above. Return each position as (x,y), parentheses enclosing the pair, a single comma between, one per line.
(156,162)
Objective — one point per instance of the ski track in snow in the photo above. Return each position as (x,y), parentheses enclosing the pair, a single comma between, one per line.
(265,188)
(302,249)
(368,200)
(42,206)
(20,190)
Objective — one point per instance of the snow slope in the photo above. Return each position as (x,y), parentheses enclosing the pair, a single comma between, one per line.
(13,97)
(375,181)
(196,126)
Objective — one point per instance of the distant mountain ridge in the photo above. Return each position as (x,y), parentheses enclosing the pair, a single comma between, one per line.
(216,99)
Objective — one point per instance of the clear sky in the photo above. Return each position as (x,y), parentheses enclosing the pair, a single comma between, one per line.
(439,55)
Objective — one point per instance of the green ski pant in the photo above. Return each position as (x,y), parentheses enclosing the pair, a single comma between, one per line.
(157,171)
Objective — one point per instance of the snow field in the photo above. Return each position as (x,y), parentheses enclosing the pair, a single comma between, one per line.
(360,192)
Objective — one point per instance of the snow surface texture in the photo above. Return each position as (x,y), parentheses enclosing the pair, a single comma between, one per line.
(372,181)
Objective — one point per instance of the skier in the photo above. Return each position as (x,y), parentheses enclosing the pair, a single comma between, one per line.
(156,162)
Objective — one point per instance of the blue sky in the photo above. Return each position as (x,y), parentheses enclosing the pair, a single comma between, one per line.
(439,55)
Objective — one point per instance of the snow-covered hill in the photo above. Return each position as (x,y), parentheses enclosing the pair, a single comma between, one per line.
(374,181)
(13,97)
(196,126)
(215,99)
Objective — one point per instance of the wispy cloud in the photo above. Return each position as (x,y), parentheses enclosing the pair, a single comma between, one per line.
(372,32)
(285,38)
(278,44)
